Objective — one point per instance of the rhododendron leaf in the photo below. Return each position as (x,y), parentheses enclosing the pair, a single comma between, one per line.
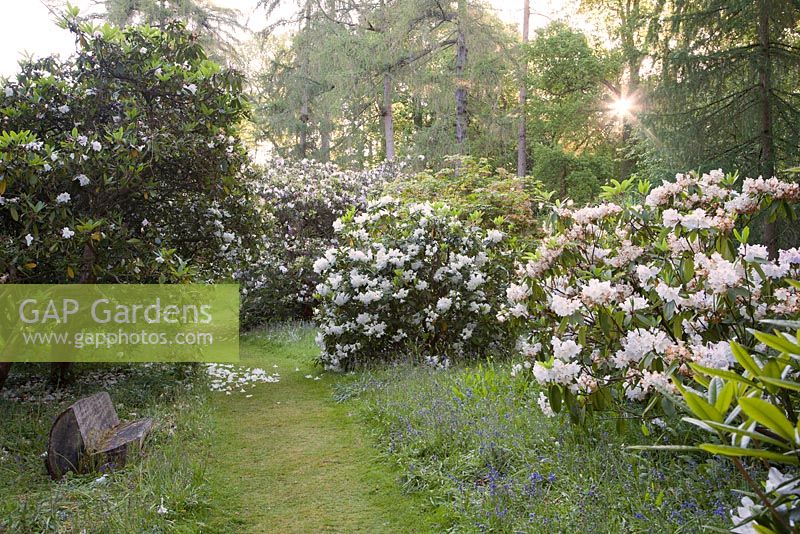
(784,384)
(699,423)
(700,379)
(554,396)
(562,327)
(675,448)
(714,388)
(677,328)
(711,426)
(793,325)
(725,397)
(722,373)
(727,450)
(768,415)
(644,320)
(698,405)
(777,342)
(576,414)
(687,268)
(744,359)
(597,400)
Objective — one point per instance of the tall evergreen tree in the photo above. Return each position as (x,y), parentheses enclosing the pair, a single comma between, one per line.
(218,28)
(727,95)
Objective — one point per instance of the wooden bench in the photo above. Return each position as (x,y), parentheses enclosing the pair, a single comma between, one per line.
(88,435)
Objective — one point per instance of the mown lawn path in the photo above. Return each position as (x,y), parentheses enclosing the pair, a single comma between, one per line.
(290,459)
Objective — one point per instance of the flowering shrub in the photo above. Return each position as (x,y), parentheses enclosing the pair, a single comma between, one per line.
(301,201)
(122,163)
(753,413)
(408,277)
(477,187)
(625,294)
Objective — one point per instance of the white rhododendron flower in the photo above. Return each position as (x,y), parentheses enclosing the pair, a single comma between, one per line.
(443,304)
(565,350)
(564,307)
(597,292)
(517,292)
(544,405)
(63,198)
(495,236)
(753,252)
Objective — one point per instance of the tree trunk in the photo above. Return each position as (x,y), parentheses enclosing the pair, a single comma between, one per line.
(461,83)
(5,367)
(388,118)
(325,142)
(522,149)
(632,19)
(766,137)
(302,147)
(60,371)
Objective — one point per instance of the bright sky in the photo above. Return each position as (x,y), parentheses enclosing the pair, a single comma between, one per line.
(27,27)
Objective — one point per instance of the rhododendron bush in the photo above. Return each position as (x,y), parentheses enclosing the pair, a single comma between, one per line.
(624,295)
(300,202)
(409,279)
(122,163)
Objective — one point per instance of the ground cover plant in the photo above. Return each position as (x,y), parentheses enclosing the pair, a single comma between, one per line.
(473,441)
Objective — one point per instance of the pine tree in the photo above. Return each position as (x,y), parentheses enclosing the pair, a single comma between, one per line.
(727,96)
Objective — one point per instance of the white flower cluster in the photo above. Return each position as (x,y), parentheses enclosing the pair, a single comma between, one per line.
(408,276)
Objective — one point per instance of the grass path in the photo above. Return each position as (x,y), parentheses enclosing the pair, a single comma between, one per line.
(289,459)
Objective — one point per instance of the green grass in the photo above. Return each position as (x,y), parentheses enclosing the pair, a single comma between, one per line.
(171,467)
(472,440)
(290,459)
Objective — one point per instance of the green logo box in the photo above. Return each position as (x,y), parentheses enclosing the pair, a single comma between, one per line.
(119,323)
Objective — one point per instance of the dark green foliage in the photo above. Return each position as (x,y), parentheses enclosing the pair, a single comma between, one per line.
(575,176)
(707,106)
